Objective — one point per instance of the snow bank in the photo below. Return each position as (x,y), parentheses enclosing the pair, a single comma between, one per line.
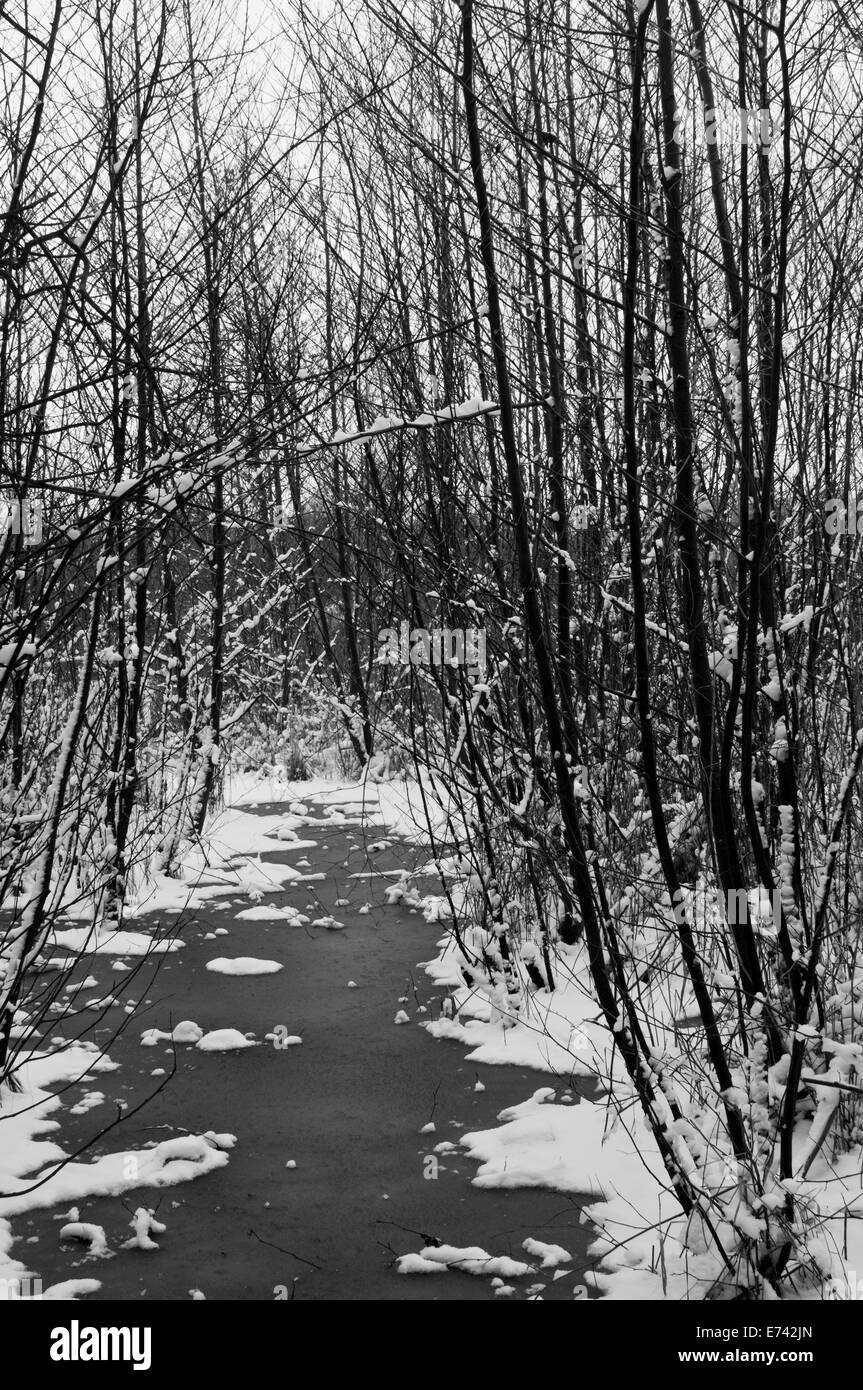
(34,1172)
(89,941)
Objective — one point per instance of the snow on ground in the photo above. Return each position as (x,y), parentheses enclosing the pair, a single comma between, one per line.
(254,788)
(232,859)
(644,1248)
(86,941)
(35,1172)
(598,1148)
(398,806)
(235,858)
(556,1031)
(244,873)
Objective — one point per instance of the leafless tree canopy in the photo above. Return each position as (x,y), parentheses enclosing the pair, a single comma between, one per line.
(541,320)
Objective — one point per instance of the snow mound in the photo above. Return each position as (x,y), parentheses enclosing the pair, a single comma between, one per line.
(70,1289)
(243,965)
(145,1225)
(185,1032)
(220,1141)
(171,1162)
(469,1259)
(88,1234)
(284,1039)
(550,1255)
(262,913)
(224,1040)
